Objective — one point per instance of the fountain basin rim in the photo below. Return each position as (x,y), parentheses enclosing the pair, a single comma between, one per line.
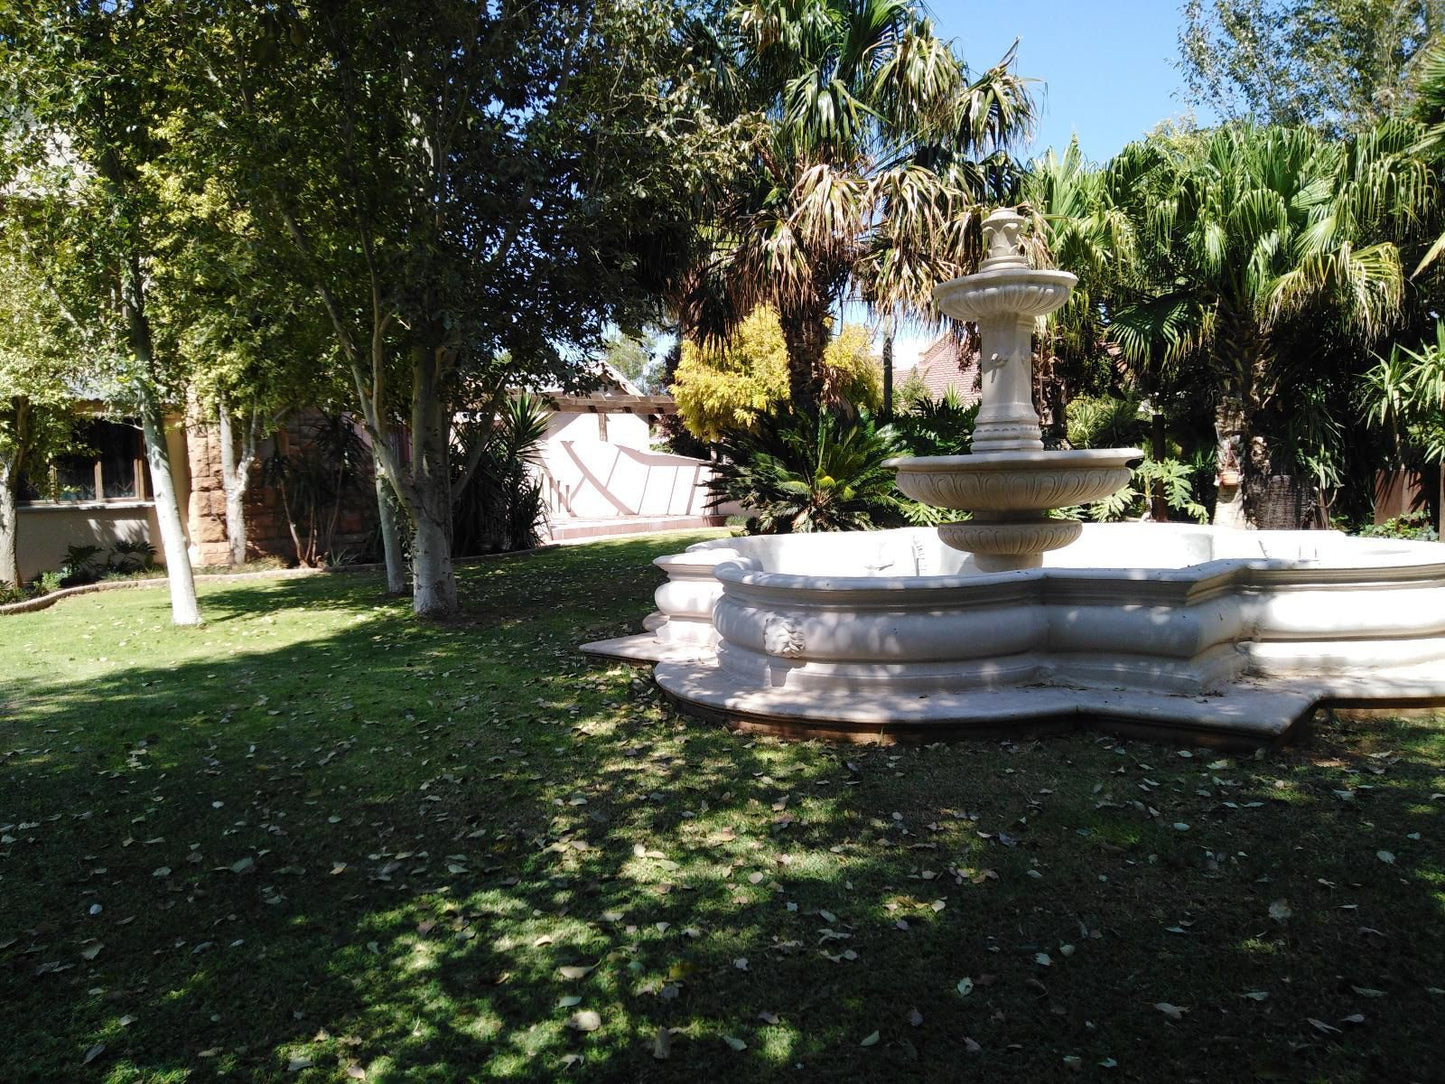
(1075,585)
(1005,276)
(1020,459)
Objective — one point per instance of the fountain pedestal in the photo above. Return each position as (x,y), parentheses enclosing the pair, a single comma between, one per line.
(1010,483)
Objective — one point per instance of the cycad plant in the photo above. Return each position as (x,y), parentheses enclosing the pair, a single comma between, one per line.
(802,472)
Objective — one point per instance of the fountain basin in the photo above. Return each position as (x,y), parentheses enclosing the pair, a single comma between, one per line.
(1004,293)
(1015,481)
(1210,634)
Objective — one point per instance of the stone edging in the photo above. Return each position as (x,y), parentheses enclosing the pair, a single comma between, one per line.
(44,602)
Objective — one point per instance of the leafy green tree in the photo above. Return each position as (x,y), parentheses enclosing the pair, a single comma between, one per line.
(861,173)
(725,387)
(1336,65)
(471,191)
(89,86)
(640,358)
(254,345)
(35,395)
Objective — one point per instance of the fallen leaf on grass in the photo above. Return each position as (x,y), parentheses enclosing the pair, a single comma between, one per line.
(1386,857)
(871,1040)
(1256,995)
(1279,910)
(586,1020)
(295,1065)
(736,1044)
(1322,1027)
(662,1044)
(91,950)
(569,1001)
(574,971)
(915,1018)
(964,987)
(971,1046)
(1174,1012)
(94,1052)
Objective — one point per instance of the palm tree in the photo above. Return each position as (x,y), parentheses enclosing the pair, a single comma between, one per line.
(860,172)
(1245,233)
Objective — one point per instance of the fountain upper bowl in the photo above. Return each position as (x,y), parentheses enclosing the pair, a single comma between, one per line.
(1004,292)
(1015,481)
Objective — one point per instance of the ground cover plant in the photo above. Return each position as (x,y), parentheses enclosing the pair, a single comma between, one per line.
(315,840)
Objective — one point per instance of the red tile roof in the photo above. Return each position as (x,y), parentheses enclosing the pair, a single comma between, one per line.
(942,368)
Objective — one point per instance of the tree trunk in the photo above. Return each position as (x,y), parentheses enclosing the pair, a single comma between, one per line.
(235,480)
(386,513)
(434,585)
(1229,435)
(9,559)
(888,372)
(805,330)
(184,608)
(1158,498)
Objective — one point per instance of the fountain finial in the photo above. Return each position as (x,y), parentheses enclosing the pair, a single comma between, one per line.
(1001,237)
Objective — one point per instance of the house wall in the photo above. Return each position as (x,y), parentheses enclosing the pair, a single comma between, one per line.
(267,531)
(45,531)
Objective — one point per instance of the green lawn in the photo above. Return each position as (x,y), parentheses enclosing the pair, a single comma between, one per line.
(316,840)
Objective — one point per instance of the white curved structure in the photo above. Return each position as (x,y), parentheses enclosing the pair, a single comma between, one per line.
(1214,634)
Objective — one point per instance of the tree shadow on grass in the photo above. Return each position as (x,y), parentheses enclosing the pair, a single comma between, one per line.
(408,848)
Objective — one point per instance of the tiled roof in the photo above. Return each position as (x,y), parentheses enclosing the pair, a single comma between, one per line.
(942,368)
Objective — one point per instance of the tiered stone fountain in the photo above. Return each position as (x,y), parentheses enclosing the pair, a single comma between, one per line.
(1010,482)
(1014,621)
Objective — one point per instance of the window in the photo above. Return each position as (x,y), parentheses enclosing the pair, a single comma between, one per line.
(109,466)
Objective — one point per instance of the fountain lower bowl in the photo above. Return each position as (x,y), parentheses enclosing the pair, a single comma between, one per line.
(1213,635)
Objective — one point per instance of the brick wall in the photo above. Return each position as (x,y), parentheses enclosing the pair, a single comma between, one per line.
(267,533)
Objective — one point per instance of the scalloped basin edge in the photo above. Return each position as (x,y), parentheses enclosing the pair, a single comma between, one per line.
(1205,634)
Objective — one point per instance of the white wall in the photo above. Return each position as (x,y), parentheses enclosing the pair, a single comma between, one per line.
(587,478)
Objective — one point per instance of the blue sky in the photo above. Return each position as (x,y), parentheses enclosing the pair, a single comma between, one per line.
(1105,70)
(1106,66)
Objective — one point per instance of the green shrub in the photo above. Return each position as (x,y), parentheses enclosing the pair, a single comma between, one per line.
(499,505)
(1414,526)
(82,564)
(132,556)
(806,472)
(937,426)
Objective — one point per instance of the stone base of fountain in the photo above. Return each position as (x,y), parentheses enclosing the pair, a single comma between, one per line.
(1196,633)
